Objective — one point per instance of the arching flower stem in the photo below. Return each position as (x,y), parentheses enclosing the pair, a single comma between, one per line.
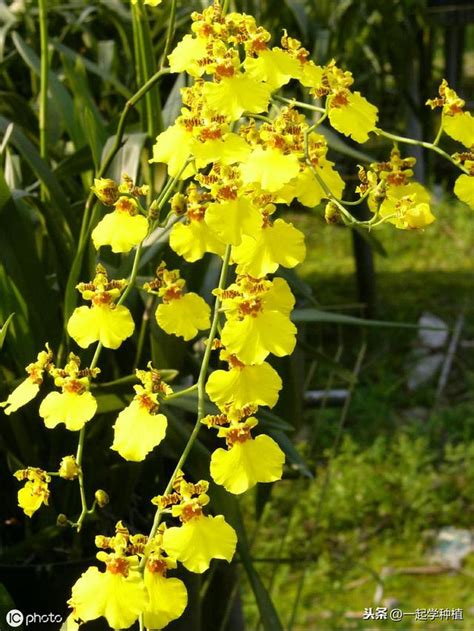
(201,394)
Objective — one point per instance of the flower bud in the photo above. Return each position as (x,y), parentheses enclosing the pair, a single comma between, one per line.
(178,204)
(106,190)
(101,498)
(69,469)
(62,521)
(332,213)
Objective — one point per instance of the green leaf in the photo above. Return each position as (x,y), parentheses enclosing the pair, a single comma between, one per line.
(127,159)
(18,228)
(86,111)
(316,315)
(230,507)
(59,96)
(294,458)
(4,329)
(94,69)
(31,156)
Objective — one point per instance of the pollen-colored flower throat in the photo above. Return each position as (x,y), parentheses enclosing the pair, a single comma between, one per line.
(236,156)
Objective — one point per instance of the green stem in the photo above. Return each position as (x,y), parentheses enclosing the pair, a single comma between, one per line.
(85,226)
(169,33)
(180,393)
(420,143)
(307,106)
(201,384)
(43,103)
(95,359)
(142,333)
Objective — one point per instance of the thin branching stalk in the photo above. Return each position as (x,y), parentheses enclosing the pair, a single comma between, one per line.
(201,394)
(44,78)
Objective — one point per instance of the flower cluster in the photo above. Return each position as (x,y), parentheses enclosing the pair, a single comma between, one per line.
(238,155)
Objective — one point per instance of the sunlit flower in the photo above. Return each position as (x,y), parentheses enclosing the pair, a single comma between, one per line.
(464,189)
(139,428)
(258,320)
(168,596)
(243,385)
(123,228)
(233,96)
(104,321)
(352,115)
(276,243)
(118,594)
(35,492)
(247,460)
(200,538)
(270,168)
(182,314)
(27,390)
(276,67)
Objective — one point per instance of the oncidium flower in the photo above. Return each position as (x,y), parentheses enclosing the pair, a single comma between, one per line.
(119,593)
(258,322)
(193,238)
(464,185)
(168,596)
(29,387)
(243,385)
(35,492)
(122,229)
(247,460)
(104,321)
(140,427)
(74,405)
(181,313)
(262,253)
(457,123)
(200,538)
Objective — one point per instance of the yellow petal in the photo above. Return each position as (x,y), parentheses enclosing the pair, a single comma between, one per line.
(118,598)
(232,148)
(464,189)
(31,497)
(311,76)
(173,147)
(120,230)
(270,168)
(233,219)
(88,595)
(235,95)
(279,297)
(168,600)
(70,408)
(200,540)
(194,239)
(186,55)
(184,316)
(137,432)
(310,192)
(23,394)
(460,127)
(107,324)
(244,464)
(276,67)
(253,338)
(262,255)
(356,119)
(246,385)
